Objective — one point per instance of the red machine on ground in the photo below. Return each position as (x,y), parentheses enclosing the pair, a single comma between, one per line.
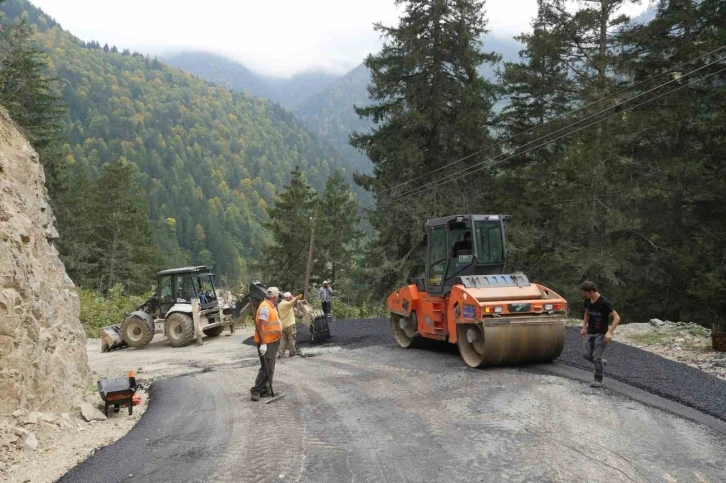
(464,298)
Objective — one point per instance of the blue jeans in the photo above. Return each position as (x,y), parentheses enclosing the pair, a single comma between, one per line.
(592,351)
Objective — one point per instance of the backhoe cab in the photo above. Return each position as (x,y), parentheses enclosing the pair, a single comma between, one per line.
(465,298)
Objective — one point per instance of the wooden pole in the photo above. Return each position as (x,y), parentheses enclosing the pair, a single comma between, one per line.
(309,268)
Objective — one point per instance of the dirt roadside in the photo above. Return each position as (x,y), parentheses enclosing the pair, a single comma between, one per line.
(64,440)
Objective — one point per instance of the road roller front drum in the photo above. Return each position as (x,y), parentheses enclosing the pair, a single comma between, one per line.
(508,344)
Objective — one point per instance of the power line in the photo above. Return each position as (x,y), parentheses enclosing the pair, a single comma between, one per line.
(434,183)
(499,143)
(493,161)
(439,183)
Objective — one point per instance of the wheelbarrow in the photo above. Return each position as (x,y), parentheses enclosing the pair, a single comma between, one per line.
(118,392)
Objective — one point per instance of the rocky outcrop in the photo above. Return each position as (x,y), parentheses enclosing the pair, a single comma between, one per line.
(43,363)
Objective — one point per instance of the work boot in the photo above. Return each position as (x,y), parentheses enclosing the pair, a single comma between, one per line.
(596,383)
(255,397)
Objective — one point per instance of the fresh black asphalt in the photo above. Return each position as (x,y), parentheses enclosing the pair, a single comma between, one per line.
(171,442)
(655,374)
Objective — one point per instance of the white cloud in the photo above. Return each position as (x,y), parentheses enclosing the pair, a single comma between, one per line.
(277,37)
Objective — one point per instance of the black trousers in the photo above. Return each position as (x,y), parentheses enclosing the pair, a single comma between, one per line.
(326,307)
(261,384)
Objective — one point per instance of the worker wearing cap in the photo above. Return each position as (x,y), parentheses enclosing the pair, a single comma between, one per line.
(287,317)
(326,297)
(268,331)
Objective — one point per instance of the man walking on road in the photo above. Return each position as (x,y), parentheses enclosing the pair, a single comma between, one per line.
(287,317)
(326,297)
(596,328)
(268,331)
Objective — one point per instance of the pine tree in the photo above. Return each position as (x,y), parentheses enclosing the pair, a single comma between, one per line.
(430,108)
(338,234)
(578,187)
(678,149)
(123,245)
(26,92)
(285,260)
(76,245)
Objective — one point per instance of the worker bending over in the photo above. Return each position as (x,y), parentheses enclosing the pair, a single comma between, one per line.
(268,331)
(287,317)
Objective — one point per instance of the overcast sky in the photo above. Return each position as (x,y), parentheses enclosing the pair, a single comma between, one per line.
(277,37)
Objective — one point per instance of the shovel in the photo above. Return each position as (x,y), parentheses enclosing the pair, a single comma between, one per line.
(267,371)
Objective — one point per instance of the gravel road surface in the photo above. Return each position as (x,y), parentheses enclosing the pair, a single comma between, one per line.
(363,409)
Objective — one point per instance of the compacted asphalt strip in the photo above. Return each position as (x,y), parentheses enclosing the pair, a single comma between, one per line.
(655,374)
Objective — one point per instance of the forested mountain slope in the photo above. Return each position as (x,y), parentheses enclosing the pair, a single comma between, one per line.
(330,112)
(231,74)
(212,159)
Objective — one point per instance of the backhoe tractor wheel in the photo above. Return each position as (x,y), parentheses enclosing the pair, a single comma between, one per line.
(214,331)
(470,339)
(179,329)
(136,332)
(404,329)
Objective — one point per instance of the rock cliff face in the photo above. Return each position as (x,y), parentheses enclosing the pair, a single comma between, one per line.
(43,363)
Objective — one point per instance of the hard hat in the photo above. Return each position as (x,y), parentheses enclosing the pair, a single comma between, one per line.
(325,282)
(273,292)
(287,294)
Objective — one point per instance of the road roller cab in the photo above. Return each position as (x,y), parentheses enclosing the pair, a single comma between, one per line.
(465,298)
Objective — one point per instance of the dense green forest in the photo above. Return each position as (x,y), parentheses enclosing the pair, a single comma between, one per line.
(631,195)
(605,139)
(210,160)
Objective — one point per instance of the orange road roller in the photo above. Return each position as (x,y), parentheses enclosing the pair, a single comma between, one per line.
(466,299)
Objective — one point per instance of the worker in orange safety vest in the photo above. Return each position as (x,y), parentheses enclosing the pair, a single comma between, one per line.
(268,330)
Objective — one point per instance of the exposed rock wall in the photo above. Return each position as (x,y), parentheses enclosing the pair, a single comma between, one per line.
(43,363)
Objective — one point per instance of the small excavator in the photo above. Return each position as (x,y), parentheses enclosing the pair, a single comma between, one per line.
(465,298)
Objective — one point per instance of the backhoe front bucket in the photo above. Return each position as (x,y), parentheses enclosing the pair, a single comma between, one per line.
(111,338)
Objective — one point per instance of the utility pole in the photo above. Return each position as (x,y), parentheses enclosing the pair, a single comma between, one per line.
(310,254)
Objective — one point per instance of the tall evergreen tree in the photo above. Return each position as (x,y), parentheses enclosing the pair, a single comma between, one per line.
(291,214)
(26,92)
(78,213)
(123,245)
(430,108)
(678,149)
(338,231)
(577,186)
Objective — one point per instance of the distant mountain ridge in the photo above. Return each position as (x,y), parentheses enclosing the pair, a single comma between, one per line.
(231,74)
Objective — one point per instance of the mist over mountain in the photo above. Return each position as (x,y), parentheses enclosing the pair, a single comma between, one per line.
(231,74)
